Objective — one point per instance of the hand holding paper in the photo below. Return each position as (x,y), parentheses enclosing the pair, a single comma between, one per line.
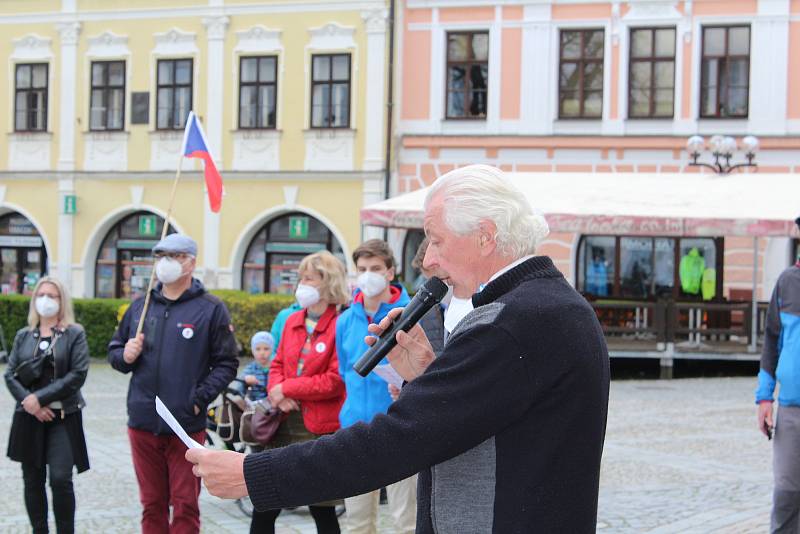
(176,427)
(387,372)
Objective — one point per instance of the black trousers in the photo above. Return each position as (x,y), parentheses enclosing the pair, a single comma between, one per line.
(324,517)
(58,454)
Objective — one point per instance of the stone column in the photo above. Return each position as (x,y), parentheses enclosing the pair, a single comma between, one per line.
(215,28)
(68,32)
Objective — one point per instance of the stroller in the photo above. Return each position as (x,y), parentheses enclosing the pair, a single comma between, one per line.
(222,426)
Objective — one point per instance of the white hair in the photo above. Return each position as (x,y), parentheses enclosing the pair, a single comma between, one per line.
(478,193)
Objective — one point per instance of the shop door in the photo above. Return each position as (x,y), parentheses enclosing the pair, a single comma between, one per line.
(136,267)
(20,270)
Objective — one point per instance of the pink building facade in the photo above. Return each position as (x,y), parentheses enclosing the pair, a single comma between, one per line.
(564,86)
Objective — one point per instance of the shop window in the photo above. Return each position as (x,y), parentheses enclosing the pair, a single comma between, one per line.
(411,276)
(257,92)
(597,265)
(649,267)
(108,96)
(725,72)
(174,97)
(125,261)
(330,91)
(467,74)
(30,101)
(580,81)
(794,255)
(23,258)
(651,82)
(271,261)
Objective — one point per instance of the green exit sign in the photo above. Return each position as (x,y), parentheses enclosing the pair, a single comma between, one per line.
(70,205)
(298,227)
(147,225)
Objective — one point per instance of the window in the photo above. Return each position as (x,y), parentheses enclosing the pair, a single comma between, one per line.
(274,254)
(649,267)
(30,102)
(580,81)
(257,89)
(330,91)
(23,258)
(651,86)
(174,99)
(108,96)
(467,74)
(125,259)
(725,72)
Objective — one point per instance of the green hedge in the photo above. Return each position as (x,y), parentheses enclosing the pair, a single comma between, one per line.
(250,313)
(98,317)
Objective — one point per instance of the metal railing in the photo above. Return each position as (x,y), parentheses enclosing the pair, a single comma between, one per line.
(696,325)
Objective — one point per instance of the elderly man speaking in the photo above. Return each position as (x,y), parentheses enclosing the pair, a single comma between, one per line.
(505,427)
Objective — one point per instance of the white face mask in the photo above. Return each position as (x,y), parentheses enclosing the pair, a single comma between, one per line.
(456,310)
(46,307)
(168,270)
(372,284)
(306,295)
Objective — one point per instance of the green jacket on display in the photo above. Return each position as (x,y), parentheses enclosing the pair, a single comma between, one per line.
(691,271)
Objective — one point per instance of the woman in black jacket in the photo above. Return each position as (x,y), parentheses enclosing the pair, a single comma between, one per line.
(46,369)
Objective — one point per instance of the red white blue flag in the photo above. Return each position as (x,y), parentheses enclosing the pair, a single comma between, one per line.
(196,146)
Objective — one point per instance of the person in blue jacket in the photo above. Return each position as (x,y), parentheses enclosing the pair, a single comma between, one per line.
(279,323)
(185,355)
(780,362)
(368,396)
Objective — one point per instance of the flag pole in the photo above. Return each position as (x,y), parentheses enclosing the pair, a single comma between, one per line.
(163,235)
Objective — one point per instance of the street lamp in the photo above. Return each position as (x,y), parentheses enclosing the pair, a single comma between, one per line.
(722,148)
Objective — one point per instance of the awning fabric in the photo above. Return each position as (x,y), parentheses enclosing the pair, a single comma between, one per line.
(669,204)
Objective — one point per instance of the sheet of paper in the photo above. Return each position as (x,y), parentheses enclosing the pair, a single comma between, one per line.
(176,427)
(388,373)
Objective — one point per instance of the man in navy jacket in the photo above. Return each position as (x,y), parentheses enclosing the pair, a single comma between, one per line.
(509,420)
(186,355)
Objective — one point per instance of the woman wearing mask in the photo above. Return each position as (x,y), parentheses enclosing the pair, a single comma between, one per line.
(46,369)
(304,379)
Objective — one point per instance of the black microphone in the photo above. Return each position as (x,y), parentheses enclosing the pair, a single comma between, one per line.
(426,298)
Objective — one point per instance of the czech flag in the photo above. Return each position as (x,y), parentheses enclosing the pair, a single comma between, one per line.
(195,146)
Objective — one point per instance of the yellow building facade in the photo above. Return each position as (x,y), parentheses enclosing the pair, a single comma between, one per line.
(292,97)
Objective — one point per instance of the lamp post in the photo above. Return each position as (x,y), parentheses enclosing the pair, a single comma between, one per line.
(722,149)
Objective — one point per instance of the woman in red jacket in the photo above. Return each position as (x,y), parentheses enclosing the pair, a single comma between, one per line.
(304,377)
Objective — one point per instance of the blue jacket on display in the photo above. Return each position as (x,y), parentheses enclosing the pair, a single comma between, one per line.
(366,396)
(189,356)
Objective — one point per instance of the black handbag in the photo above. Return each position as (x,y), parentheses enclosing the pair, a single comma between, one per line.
(29,371)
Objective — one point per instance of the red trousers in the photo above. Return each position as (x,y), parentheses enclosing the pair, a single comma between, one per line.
(165,479)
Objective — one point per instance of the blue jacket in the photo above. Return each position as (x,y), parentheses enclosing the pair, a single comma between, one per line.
(780,357)
(279,323)
(366,397)
(189,357)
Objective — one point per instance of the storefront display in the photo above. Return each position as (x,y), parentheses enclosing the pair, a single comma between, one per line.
(124,263)
(649,267)
(23,258)
(275,252)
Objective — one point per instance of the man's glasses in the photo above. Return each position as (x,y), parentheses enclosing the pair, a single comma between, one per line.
(180,256)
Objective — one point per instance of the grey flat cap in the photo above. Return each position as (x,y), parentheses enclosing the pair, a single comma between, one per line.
(177,243)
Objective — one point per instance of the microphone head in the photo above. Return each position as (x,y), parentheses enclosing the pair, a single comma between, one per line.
(436,288)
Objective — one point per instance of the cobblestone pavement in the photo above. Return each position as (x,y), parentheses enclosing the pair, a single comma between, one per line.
(680,456)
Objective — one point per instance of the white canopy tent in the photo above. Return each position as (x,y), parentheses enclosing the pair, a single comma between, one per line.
(662,204)
(670,204)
